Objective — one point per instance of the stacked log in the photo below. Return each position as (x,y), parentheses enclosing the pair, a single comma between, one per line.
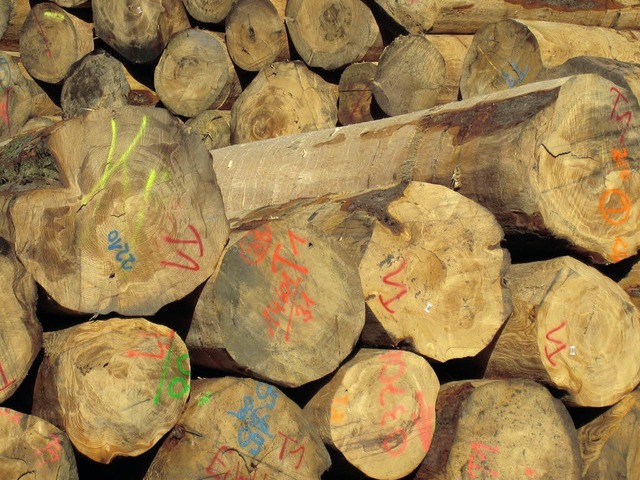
(206,277)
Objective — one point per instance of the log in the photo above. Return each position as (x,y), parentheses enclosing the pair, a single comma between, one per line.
(52,40)
(485,429)
(115,386)
(73,3)
(20,330)
(243,428)
(256,35)
(15,97)
(515,152)
(571,328)
(195,74)
(402,85)
(355,93)
(292,293)
(452,16)
(138,32)
(608,443)
(378,411)
(213,127)
(97,81)
(12,16)
(38,123)
(283,99)
(631,284)
(132,219)
(33,448)
(209,11)
(515,52)
(331,34)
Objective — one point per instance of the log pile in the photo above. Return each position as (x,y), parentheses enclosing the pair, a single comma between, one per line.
(304,239)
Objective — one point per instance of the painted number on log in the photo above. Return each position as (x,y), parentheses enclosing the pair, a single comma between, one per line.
(191,263)
(51,452)
(115,243)
(479,453)
(218,469)
(402,288)
(520,75)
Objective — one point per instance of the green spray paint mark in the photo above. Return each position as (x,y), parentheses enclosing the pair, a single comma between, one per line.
(56,15)
(156,398)
(151,179)
(111,167)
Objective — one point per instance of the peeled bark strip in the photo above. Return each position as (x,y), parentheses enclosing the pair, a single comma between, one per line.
(356,93)
(195,74)
(485,429)
(133,218)
(209,11)
(515,52)
(242,428)
(115,387)
(378,411)
(333,33)
(516,152)
(52,40)
(284,98)
(20,330)
(213,128)
(255,34)
(33,448)
(139,31)
(609,444)
(98,81)
(452,16)
(572,328)
(283,298)
(404,85)
(12,16)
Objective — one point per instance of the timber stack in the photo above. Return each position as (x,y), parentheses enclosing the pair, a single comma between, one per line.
(319,239)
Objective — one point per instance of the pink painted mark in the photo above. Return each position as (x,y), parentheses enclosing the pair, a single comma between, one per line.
(52,448)
(476,453)
(162,347)
(283,450)
(42,35)
(557,342)
(254,246)
(4,107)
(5,382)
(192,265)
(402,288)
(423,422)
(627,115)
(15,417)
(214,470)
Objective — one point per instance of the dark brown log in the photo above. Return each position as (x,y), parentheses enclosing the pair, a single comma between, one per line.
(378,411)
(292,294)
(34,448)
(139,31)
(115,386)
(52,40)
(284,98)
(132,219)
(240,428)
(333,33)
(515,52)
(195,74)
(501,429)
(516,152)
(255,34)
(572,328)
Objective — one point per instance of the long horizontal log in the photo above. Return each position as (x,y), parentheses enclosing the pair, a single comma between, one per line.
(549,158)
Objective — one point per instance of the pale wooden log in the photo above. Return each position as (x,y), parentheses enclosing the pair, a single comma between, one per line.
(631,284)
(38,123)
(139,31)
(283,99)
(572,328)
(501,429)
(609,443)
(404,85)
(195,74)
(134,219)
(256,35)
(292,293)
(515,52)
(333,33)
(73,3)
(209,11)
(16,103)
(516,152)
(41,103)
(33,448)
(213,128)
(20,330)
(378,411)
(52,40)
(246,429)
(468,16)
(12,16)
(115,386)
(97,81)
(356,93)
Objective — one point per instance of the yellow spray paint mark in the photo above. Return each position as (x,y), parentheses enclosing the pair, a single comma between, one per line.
(151,179)
(55,15)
